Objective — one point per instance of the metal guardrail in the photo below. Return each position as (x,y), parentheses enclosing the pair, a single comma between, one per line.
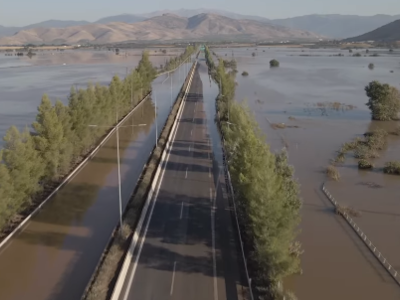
(379,256)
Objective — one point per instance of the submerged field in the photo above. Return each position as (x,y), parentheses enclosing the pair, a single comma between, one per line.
(312,104)
(24,80)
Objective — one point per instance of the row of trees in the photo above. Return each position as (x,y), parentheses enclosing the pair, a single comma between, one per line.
(266,194)
(384,101)
(174,62)
(33,160)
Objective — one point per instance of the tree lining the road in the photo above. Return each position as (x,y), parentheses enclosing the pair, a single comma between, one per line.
(266,194)
(174,62)
(32,162)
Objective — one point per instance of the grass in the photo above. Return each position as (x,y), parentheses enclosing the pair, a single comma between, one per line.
(332,173)
(341,157)
(392,167)
(104,278)
(365,152)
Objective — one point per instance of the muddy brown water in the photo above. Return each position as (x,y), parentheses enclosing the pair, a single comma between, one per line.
(56,253)
(23,81)
(336,264)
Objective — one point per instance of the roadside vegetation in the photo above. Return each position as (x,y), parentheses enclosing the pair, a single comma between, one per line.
(245,73)
(384,101)
(174,62)
(332,172)
(35,159)
(266,195)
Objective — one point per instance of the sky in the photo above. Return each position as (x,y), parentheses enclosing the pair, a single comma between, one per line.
(25,12)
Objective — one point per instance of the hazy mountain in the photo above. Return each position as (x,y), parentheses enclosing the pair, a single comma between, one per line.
(55,24)
(337,26)
(187,13)
(6,31)
(125,18)
(162,28)
(389,32)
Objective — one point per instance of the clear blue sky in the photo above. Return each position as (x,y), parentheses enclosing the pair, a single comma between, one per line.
(24,12)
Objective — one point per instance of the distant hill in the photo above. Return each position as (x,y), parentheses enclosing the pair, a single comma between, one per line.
(8,31)
(387,33)
(337,26)
(125,18)
(161,28)
(187,13)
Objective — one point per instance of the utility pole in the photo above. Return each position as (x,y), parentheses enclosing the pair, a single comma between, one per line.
(119,167)
(155,113)
(171,92)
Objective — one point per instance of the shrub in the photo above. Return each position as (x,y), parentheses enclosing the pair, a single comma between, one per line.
(364,152)
(274,63)
(357,54)
(384,101)
(341,157)
(351,51)
(253,54)
(332,173)
(371,66)
(392,167)
(365,164)
(245,73)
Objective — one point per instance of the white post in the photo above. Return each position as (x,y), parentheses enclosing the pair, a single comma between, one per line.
(155,114)
(119,169)
(171,92)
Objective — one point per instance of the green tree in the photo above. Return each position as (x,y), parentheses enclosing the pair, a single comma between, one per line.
(146,70)
(274,63)
(24,164)
(49,139)
(7,207)
(384,101)
(66,145)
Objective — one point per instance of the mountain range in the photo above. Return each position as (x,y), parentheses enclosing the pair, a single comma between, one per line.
(387,33)
(167,27)
(332,26)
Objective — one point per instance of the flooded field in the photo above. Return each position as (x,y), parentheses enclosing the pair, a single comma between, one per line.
(312,104)
(23,81)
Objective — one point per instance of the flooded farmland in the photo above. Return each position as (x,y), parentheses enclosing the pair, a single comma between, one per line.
(312,104)
(23,81)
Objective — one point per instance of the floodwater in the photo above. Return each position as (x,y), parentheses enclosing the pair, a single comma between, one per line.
(336,264)
(23,81)
(57,252)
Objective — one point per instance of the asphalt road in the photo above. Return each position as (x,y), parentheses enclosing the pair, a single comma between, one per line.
(190,248)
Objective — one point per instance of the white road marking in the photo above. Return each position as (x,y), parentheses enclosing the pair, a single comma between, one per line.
(186,172)
(181,210)
(173,279)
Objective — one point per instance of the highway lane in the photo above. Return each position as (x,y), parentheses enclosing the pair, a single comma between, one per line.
(190,248)
(54,256)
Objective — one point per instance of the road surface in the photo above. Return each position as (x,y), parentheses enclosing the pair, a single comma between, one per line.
(189,250)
